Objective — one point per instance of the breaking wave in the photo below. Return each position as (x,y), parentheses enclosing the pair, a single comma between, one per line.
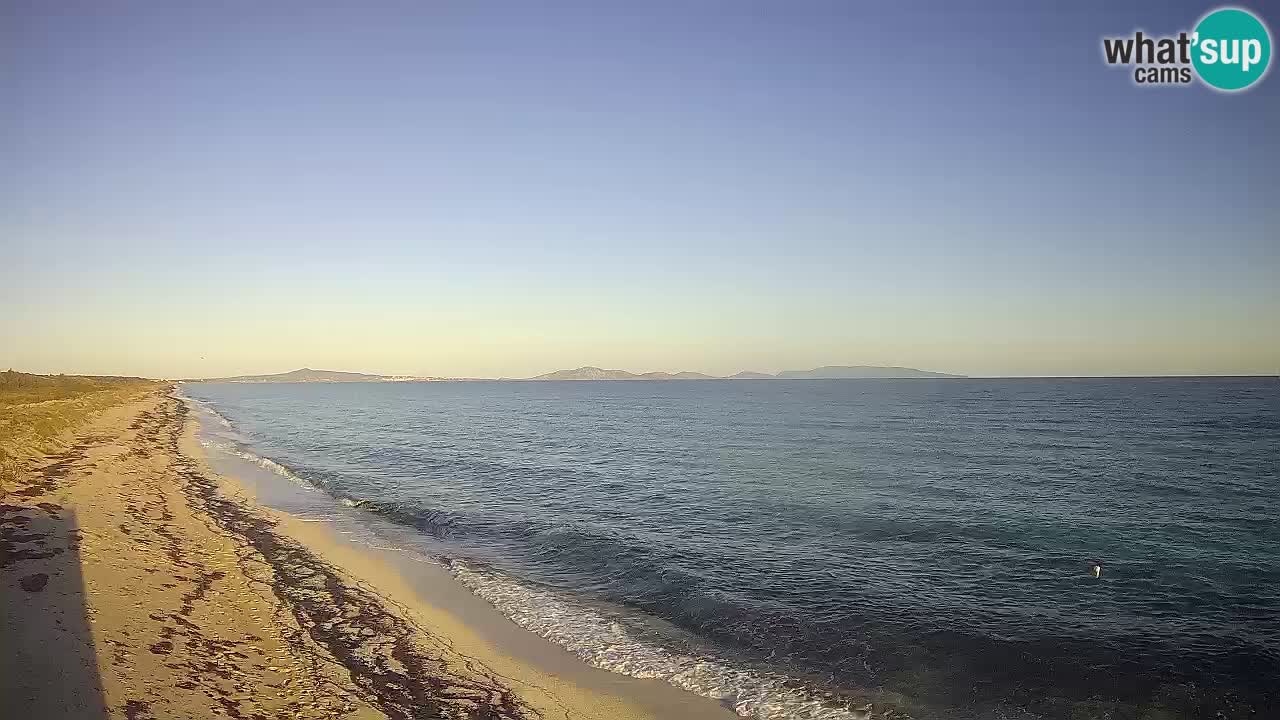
(265,463)
(204,408)
(606,643)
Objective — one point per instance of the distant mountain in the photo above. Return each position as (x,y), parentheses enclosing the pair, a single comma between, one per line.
(588,372)
(686,375)
(828,372)
(308,375)
(839,372)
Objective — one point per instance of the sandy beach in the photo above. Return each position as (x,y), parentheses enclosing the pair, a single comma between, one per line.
(136,583)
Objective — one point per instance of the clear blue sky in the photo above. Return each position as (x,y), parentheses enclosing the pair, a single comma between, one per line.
(477,188)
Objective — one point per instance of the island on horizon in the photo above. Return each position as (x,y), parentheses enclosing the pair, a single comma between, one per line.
(590,372)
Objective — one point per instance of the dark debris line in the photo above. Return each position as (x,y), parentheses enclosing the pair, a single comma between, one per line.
(381,650)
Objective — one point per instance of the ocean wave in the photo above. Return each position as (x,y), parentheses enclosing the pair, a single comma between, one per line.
(607,644)
(437,523)
(265,463)
(219,417)
(204,408)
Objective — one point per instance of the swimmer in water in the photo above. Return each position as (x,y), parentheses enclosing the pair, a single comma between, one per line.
(1097,571)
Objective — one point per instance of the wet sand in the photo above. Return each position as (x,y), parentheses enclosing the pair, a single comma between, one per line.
(136,583)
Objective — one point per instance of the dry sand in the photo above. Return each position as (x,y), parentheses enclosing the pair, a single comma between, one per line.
(135,583)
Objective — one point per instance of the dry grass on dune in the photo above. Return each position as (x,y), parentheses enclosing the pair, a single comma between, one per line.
(36,411)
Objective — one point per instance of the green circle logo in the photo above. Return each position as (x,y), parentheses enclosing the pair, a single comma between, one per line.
(1231,49)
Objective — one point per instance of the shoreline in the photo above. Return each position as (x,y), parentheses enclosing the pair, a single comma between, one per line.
(514,618)
(532,664)
(138,583)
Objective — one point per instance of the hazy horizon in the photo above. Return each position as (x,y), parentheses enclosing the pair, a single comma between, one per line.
(641,371)
(482,190)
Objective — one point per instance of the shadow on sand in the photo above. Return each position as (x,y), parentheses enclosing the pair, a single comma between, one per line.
(48,667)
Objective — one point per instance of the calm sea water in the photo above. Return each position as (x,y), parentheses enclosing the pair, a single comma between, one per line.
(804,548)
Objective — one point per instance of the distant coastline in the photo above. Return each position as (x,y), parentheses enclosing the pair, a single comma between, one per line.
(307,375)
(826,372)
(589,372)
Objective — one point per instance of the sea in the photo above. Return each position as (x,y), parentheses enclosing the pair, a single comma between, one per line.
(836,549)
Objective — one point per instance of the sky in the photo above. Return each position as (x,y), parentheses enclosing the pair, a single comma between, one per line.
(485,189)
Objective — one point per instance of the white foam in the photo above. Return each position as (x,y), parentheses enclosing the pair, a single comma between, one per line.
(205,408)
(219,417)
(606,644)
(262,462)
